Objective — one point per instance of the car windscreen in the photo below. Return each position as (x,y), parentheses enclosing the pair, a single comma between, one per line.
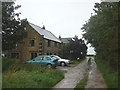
(56,57)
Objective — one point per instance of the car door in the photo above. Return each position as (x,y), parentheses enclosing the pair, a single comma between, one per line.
(46,60)
(38,60)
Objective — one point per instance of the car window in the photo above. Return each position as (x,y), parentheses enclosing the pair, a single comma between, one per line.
(47,58)
(39,58)
(56,57)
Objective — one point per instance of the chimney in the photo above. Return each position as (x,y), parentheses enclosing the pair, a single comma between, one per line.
(59,37)
(43,27)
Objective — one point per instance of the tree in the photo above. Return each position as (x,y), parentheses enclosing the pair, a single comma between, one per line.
(101,31)
(13,29)
(74,49)
(77,48)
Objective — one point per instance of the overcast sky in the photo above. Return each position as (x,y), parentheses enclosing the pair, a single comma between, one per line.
(61,17)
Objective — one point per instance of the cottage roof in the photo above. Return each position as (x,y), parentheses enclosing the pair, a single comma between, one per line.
(46,34)
(65,40)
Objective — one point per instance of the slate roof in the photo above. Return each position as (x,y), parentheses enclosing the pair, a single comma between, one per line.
(46,34)
(65,40)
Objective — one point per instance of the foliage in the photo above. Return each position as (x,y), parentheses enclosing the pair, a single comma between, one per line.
(89,61)
(78,61)
(30,76)
(13,28)
(109,75)
(78,48)
(101,31)
(75,48)
(66,51)
(6,64)
(81,85)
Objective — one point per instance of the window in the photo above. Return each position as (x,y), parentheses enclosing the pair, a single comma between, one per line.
(33,55)
(49,43)
(40,51)
(14,55)
(40,43)
(39,58)
(40,47)
(32,43)
(47,58)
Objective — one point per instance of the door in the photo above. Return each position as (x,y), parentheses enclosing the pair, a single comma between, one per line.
(46,60)
(33,55)
(38,60)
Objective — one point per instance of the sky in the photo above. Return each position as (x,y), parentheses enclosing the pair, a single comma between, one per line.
(61,17)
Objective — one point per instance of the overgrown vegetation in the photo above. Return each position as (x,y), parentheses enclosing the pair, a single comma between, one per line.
(28,75)
(101,31)
(82,84)
(110,76)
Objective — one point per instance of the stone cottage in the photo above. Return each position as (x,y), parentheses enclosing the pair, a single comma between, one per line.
(38,42)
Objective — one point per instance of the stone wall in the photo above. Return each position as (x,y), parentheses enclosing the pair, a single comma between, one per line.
(40,46)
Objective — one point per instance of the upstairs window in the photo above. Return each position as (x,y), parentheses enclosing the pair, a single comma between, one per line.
(32,43)
(49,43)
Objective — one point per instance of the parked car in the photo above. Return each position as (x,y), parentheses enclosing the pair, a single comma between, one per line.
(44,60)
(62,62)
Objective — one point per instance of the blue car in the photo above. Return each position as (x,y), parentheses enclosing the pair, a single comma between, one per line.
(44,60)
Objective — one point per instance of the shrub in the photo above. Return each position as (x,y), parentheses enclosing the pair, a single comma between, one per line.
(29,75)
(7,63)
(110,76)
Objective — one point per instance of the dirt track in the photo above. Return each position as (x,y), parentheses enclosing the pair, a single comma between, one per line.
(76,73)
(95,79)
(73,76)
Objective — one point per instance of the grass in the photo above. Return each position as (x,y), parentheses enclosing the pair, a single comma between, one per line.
(82,83)
(30,76)
(89,61)
(78,62)
(110,77)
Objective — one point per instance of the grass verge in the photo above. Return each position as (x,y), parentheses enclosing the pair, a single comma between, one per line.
(110,77)
(29,76)
(82,83)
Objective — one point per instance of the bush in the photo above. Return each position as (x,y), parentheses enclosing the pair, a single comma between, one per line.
(7,63)
(110,76)
(29,75)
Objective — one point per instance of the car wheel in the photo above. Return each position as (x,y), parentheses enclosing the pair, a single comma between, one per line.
(62,64)
(49,66)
